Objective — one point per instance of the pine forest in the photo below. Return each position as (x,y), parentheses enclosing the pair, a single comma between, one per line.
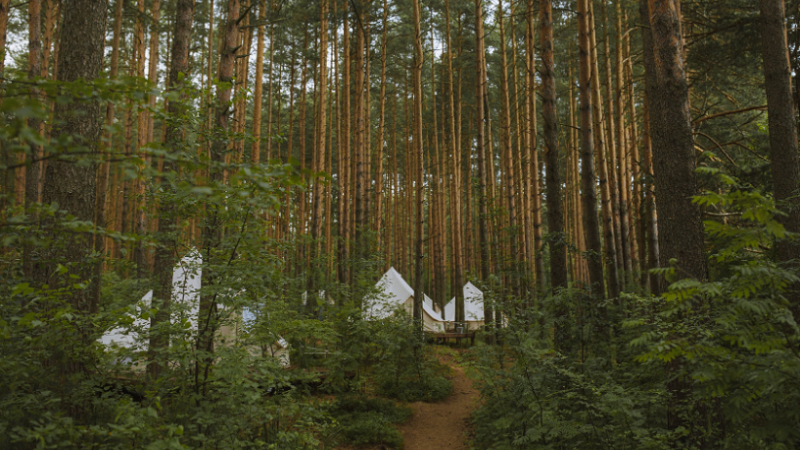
(406,224)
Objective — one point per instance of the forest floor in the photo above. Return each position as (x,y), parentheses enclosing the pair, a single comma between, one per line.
(443,425)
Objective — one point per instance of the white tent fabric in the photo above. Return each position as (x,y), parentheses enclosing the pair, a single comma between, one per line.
(185,290)
(473,305)
(397,292)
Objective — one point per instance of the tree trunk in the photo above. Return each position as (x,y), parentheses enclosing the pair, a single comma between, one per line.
(258,94)
(483,212)
(319,160)
(418,176)
(555,208)
(782,131)
(533,166)
(680,237)
(609,248)
(588,180)
(455,189)
(72,186)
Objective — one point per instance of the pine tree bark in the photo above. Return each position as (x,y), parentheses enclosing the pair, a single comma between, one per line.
(555,208)
(680,237)
(782,130)
(72,186)
(481,125)
(588,180)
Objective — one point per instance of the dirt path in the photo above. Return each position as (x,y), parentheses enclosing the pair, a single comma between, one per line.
(442,425)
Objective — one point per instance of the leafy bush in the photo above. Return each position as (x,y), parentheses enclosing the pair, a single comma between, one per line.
(366,421)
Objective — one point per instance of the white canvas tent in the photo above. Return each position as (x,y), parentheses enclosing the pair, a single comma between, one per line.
(473,307)
(186,284)
(185,290)
(397,293)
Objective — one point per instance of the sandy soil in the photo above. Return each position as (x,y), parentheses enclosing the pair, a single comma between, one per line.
(443,425)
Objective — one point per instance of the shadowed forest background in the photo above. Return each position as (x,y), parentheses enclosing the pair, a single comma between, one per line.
(618,178)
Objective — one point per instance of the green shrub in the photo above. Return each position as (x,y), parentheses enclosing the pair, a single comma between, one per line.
(369,421)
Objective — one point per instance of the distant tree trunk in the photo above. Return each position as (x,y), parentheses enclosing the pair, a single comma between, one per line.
(455,189)
(588,179)
(152,73)
(381,237)
(113,71)
(609,248)
(613,148)
(344,150)
(622,149)
(418,178)
(168,223)
(34,71)
(782,130)
(650,221)
(213,229)
(555,215)
(533,165)
(258,94)
(4,10)
(359,141)
(483,211)
(510,182)
(33,175)
(319,160)
(72,186)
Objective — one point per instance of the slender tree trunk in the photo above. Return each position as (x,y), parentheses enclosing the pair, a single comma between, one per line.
(613,148)
(601,145)
(622,149)
(418,176)
(533,166)
(4,10)
(481,125)
(650,222)
(782,131)
(588,179)
(555,215)
(381,238)
(319,159)
(258,93)
(510,182)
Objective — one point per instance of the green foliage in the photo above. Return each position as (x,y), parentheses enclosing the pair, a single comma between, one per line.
(366,421)
(731,342)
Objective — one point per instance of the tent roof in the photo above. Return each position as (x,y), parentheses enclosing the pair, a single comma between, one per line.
(398,291)
(473,304)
